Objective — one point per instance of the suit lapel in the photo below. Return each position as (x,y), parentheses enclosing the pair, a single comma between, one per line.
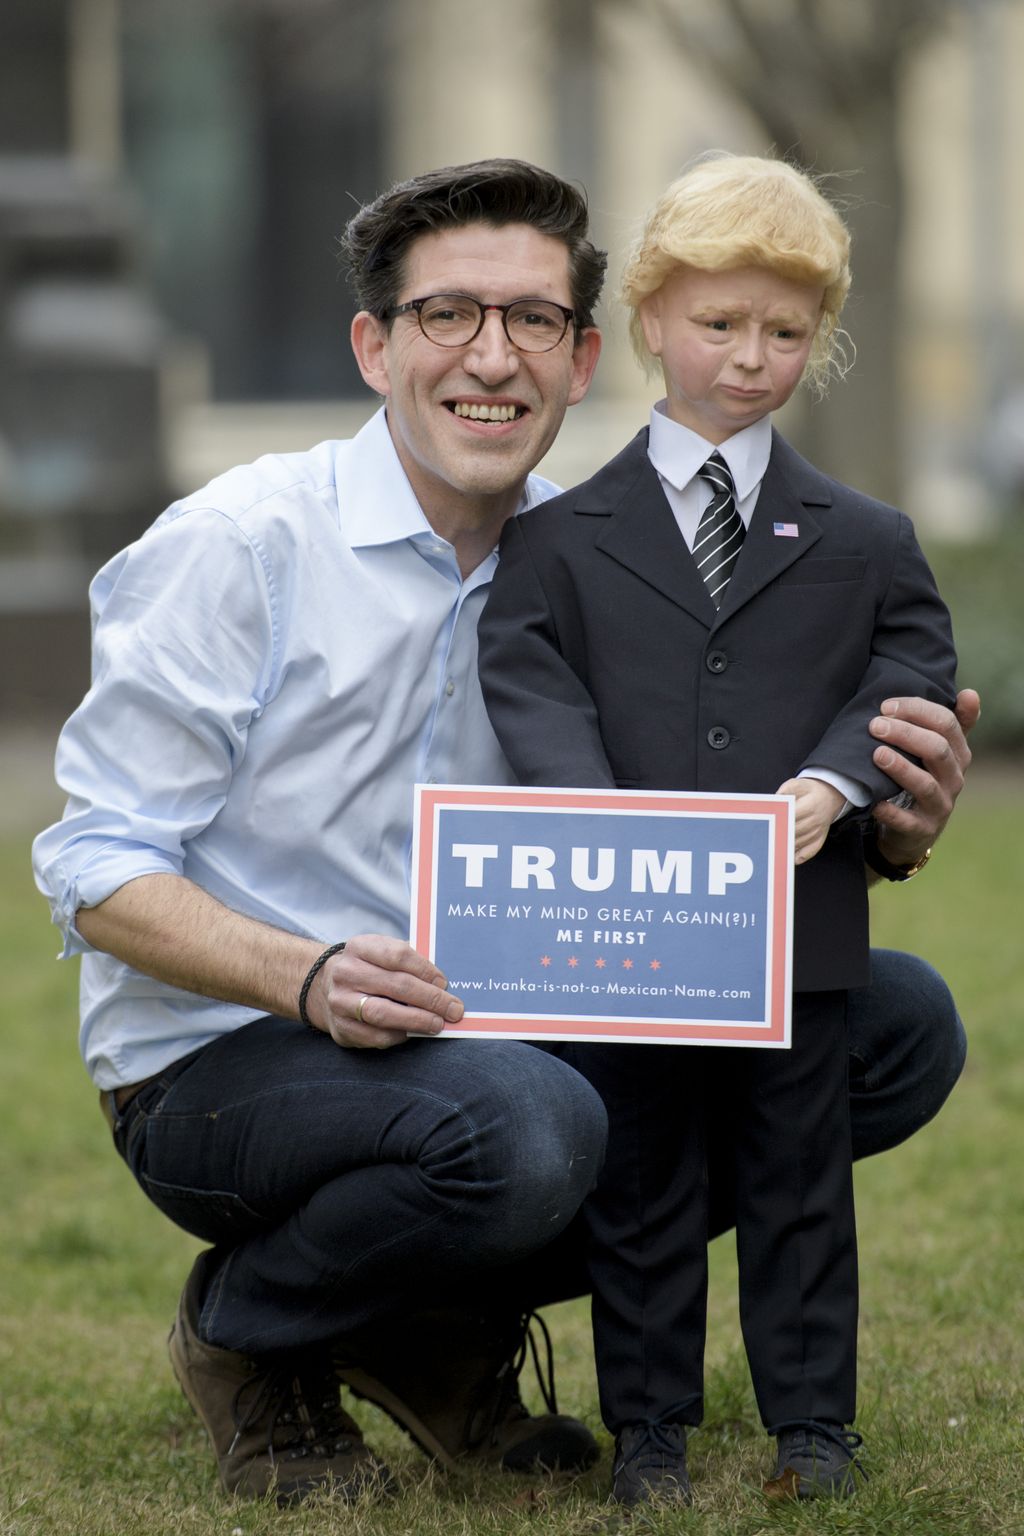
(790,488)
(641,533)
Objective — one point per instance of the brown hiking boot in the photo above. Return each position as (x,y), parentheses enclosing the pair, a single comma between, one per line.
(275,1426)
(451,1380)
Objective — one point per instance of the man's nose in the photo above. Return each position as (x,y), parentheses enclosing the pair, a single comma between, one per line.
(490,355)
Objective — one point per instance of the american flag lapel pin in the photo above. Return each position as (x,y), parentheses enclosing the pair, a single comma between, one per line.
(786,530)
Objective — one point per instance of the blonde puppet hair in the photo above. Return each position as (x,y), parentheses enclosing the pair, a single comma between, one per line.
(731,211)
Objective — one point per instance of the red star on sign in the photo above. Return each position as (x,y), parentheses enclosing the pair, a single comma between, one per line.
(655,965)
(600,962)
(573,961)
(627,965)
(545,959)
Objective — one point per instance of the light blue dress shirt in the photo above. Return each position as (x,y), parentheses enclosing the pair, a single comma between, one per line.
(277,662)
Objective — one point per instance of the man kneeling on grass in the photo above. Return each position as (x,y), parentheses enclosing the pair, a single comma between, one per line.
(276,663)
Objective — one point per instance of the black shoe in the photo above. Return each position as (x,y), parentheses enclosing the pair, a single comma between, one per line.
(817,1459)
(650,1465)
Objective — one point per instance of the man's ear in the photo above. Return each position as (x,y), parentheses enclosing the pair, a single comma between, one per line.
(369,337)
(585,354)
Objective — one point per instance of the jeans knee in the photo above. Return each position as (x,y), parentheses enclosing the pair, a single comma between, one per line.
(909,1045)
(544,1141)
(909,1015)
(568,1133)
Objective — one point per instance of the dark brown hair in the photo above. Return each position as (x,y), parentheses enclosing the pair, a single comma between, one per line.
(492,192)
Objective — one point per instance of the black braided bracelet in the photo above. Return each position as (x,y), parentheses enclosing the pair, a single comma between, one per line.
(314,971)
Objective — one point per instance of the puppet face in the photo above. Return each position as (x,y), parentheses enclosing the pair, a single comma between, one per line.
(733,345)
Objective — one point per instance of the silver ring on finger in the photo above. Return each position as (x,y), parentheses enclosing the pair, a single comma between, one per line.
(359,1009)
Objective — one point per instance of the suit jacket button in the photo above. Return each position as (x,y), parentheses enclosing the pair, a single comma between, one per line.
(718,737)
(716,661)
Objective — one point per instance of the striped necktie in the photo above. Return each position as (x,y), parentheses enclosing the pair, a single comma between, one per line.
(720,531)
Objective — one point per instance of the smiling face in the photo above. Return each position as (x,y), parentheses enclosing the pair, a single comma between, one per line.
(733,345)
(469,423)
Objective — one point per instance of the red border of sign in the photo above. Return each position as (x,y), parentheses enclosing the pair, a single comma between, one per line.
(777,808)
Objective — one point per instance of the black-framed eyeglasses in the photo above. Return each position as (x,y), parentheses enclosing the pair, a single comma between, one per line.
(453,319)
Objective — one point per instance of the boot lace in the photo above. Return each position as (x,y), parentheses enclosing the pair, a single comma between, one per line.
(499,1400)
(650,1446)
(302,1412)
(804,1437)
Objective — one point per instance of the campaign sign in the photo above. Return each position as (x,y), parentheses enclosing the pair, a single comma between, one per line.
(561,914)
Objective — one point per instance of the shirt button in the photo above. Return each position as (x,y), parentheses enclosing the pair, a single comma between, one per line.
(718,737)
(716,661)
(449,687)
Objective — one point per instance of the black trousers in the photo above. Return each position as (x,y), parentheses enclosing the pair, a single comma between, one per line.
(785,1116)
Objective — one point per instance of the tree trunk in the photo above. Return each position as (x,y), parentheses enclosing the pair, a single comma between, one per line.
(855,432)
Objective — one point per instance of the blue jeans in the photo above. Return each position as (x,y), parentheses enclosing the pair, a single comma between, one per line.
(907,1050)
(344,1187)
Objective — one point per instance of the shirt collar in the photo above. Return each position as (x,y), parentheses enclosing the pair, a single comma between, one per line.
(677,453)
(376,503)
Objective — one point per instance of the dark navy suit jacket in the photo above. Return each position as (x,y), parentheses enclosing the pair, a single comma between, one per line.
(604,662)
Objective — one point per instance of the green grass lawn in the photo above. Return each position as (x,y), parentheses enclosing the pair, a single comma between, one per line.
(95,1437)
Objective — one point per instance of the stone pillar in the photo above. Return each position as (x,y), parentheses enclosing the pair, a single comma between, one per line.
(468,84)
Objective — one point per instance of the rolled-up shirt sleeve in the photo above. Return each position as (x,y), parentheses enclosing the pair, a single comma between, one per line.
(183,659)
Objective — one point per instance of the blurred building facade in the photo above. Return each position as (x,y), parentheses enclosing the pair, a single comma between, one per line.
(174,175)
